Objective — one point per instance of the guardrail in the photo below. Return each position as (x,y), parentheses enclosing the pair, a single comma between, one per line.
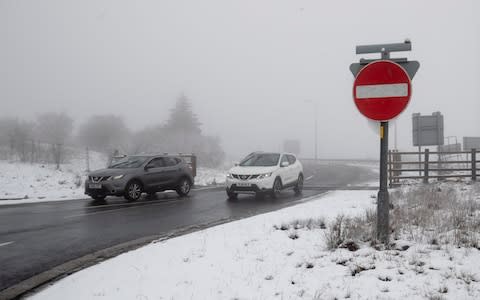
(433,164)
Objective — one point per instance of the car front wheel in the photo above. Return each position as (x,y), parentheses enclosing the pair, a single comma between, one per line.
(277,188)
(133,191)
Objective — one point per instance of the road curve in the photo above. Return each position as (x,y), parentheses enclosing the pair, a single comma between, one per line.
(38,237)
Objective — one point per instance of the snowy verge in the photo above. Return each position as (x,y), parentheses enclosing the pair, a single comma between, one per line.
(279,255)
(31,183)
(34,183)
(209,176)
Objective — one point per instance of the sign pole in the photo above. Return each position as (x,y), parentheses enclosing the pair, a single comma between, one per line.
(383,203)
(381,91)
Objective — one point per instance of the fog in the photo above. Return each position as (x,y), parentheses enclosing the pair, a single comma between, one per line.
(253,70)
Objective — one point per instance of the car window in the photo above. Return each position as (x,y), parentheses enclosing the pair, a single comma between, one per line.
(156,163)
(129,162)
(291,159)
(170,161)
(284,159)
(260,160)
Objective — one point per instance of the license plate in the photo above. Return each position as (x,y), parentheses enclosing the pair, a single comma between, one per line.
(244,184)
(95,185)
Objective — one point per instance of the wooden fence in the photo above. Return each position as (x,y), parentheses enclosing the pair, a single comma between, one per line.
(427,165)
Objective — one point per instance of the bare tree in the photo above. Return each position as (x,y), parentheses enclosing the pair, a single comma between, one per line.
(55,129)
(15,138)
(104,133)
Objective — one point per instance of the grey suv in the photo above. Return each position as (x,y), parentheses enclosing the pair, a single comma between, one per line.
(133,175)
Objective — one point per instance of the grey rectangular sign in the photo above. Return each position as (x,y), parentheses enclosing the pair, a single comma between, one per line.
(427,130)
(470,143)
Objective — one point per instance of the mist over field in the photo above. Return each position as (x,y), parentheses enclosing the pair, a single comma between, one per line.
(255,73)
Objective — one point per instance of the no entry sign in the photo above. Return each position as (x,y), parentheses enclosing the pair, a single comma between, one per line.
(382,90)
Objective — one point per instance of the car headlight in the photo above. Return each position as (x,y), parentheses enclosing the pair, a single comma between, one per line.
(266,175)
(229,175)
(116,177)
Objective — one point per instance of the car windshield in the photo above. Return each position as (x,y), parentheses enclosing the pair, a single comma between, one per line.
(260,160)
(129,162)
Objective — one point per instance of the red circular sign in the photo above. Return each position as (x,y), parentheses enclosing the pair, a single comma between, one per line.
(382,90)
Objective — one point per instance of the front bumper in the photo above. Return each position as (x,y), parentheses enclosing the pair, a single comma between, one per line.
(249,186)
(107,188)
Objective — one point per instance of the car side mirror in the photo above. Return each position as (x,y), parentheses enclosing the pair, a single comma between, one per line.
(147,167)
(284,164)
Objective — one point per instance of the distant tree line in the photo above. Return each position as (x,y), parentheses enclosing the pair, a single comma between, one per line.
(45,138)
(41,140)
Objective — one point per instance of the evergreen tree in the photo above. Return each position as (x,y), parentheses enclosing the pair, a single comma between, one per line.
(182,118)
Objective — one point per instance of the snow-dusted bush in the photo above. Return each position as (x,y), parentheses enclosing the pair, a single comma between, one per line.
(348,232)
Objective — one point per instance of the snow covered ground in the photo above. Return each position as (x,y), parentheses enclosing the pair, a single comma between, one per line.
(209,176)
(280,255)
(42,182)
(28,183)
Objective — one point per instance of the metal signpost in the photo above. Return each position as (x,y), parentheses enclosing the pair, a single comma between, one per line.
(381,91)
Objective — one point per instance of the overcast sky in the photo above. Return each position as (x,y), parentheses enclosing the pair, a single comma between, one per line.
(253,69)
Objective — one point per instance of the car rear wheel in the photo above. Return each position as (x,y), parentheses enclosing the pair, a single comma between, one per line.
(299,186)
(277,188)
(184,187)
(133,191)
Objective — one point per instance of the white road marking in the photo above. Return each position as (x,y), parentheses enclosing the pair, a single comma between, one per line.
(309,177)
(6,244)
(382,90)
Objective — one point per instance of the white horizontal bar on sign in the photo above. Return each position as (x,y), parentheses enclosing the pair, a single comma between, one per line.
(382,90)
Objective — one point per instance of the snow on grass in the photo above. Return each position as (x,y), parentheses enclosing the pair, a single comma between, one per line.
(209,176)
(43,182)
(30,183)
(283,255)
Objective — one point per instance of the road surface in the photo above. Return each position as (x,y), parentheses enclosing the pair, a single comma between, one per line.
(37,237)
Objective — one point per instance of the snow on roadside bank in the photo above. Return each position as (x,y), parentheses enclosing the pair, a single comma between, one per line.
(43,182)
(264,257)
(209,176)
(34,183)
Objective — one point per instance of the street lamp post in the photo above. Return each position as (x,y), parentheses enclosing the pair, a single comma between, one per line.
(315,116)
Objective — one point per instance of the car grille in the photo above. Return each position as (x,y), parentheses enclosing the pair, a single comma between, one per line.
(244,177)
(98,178)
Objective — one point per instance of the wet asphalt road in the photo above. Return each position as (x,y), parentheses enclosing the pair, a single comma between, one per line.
(37,237)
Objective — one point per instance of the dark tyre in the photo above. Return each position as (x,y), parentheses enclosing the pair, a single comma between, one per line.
(184,187)
(133,190)
(232,195)
(277,188)
(299,186)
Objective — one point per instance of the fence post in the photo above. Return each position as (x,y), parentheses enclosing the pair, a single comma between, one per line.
(474,164)
(425,167)
(390,166)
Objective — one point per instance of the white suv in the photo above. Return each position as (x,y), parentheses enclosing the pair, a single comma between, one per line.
(262,172)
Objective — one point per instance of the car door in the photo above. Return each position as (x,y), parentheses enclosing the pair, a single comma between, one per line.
(284,171)
(152,177)
(171,171)
(294,167)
